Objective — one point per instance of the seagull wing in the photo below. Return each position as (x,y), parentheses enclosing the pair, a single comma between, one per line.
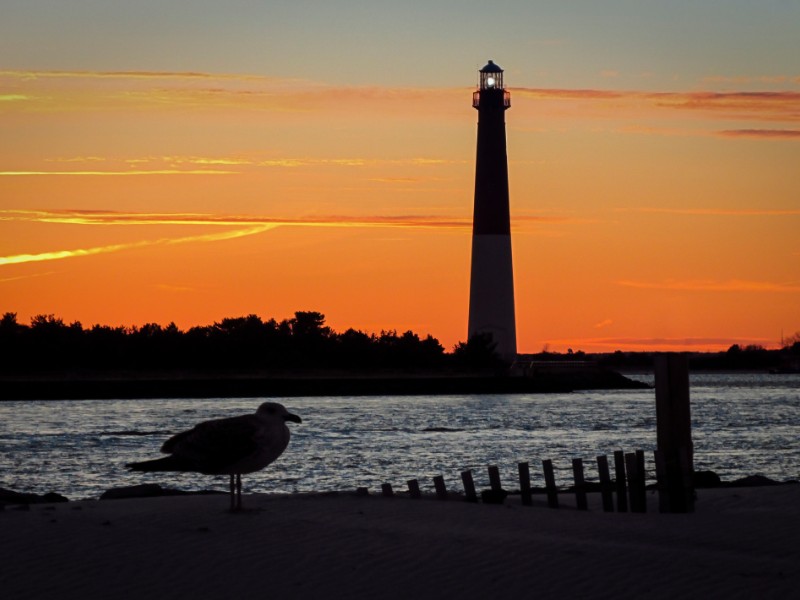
(212,446)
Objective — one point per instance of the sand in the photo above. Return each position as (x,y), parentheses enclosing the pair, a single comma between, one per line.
(740,543)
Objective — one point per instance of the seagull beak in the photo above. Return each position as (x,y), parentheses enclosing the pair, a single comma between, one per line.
(292,418)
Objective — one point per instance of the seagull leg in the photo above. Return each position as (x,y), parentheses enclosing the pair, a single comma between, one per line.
(233,493)
(238,491)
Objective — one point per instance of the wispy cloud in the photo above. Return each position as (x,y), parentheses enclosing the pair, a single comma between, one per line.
(157,75)
(104,217)
(26,276)
(572,94)
(115,173)
(96,217)
(68,91)
(58,91)
(394,179)
(182,165)
(78,252)
(750,79)
(254,225)
(717,212)
(710,285)
(756,105)
(786,134)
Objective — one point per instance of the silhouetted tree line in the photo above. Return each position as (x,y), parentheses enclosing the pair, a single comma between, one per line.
(246,343)
(736,357)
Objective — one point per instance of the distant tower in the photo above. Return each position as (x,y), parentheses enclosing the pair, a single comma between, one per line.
(491,291)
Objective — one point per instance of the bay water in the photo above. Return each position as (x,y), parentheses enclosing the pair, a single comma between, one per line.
(742,424)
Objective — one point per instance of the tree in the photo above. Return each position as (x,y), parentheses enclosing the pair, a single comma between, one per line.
(792,342)
(478,352)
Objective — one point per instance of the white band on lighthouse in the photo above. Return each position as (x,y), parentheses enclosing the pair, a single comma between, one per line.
(491,298)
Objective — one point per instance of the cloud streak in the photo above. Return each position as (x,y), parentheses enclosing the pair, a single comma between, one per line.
(156,75)
(253,226)
(718,212)
(227,165)
(710,285)
(760,106)
(97,217)
(782,134)
(115,173)
(78,252)
(59,91)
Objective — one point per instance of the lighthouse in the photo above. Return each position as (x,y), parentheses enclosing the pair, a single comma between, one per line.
(491,293)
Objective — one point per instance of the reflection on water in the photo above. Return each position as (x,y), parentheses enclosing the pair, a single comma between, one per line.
(742,424)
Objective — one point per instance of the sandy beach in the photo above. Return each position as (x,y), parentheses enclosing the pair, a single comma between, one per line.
(740,543)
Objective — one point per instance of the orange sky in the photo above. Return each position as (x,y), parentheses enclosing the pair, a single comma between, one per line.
(644,216)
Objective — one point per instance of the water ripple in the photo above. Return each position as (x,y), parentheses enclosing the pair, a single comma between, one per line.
(742,425)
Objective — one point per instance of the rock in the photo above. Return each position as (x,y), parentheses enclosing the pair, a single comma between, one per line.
(149,490)
(12,497)
(493,497)
(145,490)
(706,479)
(753,481)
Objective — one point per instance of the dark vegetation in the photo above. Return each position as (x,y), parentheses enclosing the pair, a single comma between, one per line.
(243,344)
(302,343)
(735,358)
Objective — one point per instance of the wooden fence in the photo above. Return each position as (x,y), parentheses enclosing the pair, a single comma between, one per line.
(628,485)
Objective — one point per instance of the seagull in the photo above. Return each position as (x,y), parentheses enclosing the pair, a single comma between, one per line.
(229,446)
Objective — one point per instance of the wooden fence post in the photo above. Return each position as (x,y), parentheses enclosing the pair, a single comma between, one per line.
(633,479)
(413,489)
(605,483)
(525,483)
(619,473)
(641,489)
(580,489)
(494,479)
(441,490)
(550,483)
(469,487)
(674,429)
(661,479)
(386,490)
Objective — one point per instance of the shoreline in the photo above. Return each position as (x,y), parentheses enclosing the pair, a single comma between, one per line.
(227,386)
(738,543)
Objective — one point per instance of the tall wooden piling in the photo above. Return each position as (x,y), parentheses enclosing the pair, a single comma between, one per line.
(550,483)
(661,478)
(605,483)
(494,479)
(674,431)
(413,489)
(636,497)
(441,490)
(525,483)
(469,486)
(641,488)
(580,484)
(619,474)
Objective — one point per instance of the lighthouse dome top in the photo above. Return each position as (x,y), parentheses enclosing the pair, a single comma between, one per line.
(491,68)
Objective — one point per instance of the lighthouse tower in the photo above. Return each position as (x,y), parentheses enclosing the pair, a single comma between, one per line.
(491,293)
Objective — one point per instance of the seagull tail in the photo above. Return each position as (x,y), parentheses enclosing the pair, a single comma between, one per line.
(168,463)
